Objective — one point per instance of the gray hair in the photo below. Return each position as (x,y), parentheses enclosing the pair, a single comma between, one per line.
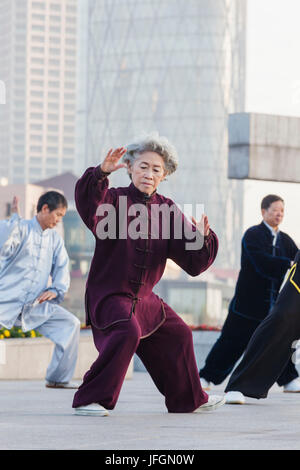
(153,143)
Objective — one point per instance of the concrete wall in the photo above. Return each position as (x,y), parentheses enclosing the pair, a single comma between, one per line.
(264,147)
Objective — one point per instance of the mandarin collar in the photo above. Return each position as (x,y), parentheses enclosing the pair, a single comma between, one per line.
(37,226)
(139,195)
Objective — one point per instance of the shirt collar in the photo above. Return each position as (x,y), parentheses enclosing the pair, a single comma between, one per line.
(271,228)
(37,226)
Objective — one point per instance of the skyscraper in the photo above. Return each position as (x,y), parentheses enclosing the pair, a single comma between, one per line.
(38,42)
(178,67)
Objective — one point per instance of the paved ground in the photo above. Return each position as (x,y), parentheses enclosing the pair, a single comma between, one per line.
(33,417)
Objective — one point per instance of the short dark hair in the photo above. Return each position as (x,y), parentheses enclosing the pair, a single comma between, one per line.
(268,200)
(53,199)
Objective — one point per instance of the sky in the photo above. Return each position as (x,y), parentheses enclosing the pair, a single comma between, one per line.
(273,57)
(273,87)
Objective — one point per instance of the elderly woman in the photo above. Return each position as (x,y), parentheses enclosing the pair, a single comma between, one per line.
(126,317)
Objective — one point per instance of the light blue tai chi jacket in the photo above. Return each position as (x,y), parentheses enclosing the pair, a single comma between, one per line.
(29,256)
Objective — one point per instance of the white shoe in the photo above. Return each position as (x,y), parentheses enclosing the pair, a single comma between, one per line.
(292,387)
(214,401)
(61,385)
(234,398)
(204,384)
(94,409)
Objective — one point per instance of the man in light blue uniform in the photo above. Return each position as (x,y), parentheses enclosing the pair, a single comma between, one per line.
(32,254)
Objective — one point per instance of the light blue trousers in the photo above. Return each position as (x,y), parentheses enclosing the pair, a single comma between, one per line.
(63,328)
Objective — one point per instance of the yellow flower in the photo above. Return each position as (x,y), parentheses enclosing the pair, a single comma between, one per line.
(6,333)
(32,334)
(1,336)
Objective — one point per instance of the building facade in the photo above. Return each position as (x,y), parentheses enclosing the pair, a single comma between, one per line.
(38,50)
(176,67)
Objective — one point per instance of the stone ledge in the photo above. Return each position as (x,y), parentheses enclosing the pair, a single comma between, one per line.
(28,358)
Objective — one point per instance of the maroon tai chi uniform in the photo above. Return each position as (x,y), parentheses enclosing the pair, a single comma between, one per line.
(126,317)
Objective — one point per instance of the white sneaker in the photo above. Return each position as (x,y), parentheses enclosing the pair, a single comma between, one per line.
(214,401)
(204,384)
(292,387)
(94,409)
(234,398)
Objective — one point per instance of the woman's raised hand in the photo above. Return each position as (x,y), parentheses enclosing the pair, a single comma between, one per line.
(203,225)
(111,161)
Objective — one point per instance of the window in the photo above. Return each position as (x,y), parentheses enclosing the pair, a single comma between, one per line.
(38,38)
(54,7)
(69,96)
(70,85)
(52,161)
(54,18)
(69,107)
(69,129)
(38,50)
(70,52)
(37,94)
(69,118)
(52,117)
(38,17)
(38,5)
(53,95)
(36,127)
(68,151)
(36,138)
(54,62)
(53,84)
(55,29)
(54,51)
(52,139)
(36,104)
(36,115)
(37,27)
(54,73)
(35,160)
(52,150)
(70,42)
(35,149)
(35,171)
(54,40)
(52,128)
(37,82)
(37,60)
(37,71)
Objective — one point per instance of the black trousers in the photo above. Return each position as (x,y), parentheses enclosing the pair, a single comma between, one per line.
(231,345)
(269,352)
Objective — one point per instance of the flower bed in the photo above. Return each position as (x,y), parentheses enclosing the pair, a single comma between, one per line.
(16,332)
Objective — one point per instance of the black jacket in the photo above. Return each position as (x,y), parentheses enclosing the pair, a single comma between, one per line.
(263,268)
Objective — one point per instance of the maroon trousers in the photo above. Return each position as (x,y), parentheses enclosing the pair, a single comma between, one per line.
(168,355)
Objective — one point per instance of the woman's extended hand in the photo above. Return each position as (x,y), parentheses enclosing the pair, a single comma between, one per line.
(203,225)
(111,161)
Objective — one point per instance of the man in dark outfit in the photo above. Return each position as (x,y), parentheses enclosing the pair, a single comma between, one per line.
(267,253)
(272,344)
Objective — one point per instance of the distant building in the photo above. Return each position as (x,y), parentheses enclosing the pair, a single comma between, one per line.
(177,67)
(38,51)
